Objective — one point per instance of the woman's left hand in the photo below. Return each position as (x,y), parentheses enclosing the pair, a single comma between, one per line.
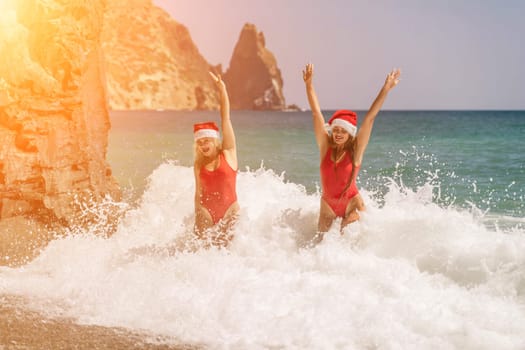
(218,80)
(392,79)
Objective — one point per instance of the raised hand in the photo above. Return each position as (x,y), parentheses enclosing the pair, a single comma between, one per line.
(392,79)
(308,73)
(218,80)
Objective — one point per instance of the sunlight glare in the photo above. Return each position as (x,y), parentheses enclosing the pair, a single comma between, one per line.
(7,13)
(6,5)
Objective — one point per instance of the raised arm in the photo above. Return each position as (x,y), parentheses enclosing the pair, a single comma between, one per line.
(228,136)
(321,135)
(365,130)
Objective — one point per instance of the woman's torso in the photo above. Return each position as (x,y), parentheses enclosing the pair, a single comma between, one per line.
(335,176)
(218,188)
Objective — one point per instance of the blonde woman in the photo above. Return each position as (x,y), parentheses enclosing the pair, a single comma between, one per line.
(215,169)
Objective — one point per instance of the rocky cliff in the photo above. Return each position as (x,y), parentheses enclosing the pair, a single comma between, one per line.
(152,62)
(253,78)
(53,120)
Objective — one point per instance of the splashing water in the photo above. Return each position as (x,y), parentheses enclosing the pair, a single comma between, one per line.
(497,203)
(412,274)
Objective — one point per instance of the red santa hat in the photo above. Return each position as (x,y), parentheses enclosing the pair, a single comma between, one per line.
(345,119)
(206,129)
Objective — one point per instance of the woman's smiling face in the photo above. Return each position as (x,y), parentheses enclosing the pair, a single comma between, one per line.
(207,146)
(340,135)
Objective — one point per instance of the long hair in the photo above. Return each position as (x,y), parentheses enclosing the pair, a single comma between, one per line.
(198,159)
(349,146)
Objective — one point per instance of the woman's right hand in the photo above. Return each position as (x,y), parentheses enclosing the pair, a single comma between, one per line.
(308,73)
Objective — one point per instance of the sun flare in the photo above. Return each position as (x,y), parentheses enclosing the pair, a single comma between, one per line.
(6,5)
(7,17)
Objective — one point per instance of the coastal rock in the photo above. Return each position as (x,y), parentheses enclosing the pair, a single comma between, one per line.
(253,78)
(152,62)
(54,122)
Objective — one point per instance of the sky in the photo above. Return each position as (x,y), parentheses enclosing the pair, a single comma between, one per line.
(453,54)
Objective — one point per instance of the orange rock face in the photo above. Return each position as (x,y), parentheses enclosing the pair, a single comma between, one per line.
(152,62)
(54,118)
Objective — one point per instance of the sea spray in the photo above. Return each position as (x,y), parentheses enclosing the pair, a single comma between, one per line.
(411,274)
(498,204)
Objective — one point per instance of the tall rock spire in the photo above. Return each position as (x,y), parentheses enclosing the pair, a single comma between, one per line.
(253,78)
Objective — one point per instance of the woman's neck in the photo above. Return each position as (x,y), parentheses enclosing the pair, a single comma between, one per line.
(338,153)
(211,161)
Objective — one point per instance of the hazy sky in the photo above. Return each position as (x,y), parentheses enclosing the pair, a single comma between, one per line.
(454,54)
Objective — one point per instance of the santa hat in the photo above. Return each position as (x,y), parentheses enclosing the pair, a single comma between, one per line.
(207,129)
(345,119)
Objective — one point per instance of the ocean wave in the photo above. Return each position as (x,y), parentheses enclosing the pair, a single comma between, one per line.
(412,273)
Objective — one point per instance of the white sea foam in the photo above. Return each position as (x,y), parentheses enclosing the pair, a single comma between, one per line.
(410,275)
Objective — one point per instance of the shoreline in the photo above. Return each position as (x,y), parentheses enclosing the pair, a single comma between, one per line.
(22,328)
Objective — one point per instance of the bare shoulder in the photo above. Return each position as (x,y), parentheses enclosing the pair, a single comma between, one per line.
(231,158)
(324,145)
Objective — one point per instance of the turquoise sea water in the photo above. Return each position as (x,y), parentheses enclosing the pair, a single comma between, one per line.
(437,261)
(472,158)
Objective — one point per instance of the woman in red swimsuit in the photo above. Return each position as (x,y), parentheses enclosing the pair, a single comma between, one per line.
(341,153)
(215,169)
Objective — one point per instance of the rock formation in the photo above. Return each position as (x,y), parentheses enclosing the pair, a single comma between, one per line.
(152,62)
(54,121)
(253,78)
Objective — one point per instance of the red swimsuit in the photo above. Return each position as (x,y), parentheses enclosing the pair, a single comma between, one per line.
(218,189)
(334,177)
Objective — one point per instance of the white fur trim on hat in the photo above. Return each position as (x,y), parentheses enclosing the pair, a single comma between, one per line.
(199,134)
(349,127)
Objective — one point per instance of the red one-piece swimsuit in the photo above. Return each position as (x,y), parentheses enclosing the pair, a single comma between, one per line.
(218,191)
(334,177)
